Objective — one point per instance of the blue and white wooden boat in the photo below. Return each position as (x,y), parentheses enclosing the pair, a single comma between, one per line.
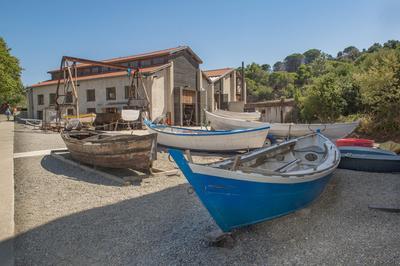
(369,159)
(262,184)
(205,140)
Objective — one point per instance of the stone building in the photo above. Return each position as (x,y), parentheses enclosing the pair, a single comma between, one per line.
(172,79)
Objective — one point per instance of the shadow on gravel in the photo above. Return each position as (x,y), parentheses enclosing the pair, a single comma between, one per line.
(157,228)
(169,226)
(60,168)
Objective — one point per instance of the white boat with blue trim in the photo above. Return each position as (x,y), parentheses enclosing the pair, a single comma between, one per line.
(262,184)
(251,116)
(205,140)
(221,121)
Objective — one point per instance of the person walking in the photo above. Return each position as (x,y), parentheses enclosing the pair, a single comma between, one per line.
(8,113)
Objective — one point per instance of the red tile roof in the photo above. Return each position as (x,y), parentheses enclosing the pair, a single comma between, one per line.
(144,56)
(217,72)
(104,75)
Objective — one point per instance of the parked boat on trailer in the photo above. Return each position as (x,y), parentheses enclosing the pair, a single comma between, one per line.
(205,140)
(263,184)
(332,131)
(110,150)
(369,159)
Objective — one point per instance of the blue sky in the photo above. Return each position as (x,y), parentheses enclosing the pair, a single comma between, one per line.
(222,33)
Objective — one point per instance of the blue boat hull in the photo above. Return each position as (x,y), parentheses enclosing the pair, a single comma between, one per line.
(369,160)
(236,203)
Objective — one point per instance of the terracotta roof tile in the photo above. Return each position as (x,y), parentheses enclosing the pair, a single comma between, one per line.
(217,72)
(143,56)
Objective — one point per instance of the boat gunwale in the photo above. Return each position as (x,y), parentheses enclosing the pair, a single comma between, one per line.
(291,177)
(156,128)
(284,124)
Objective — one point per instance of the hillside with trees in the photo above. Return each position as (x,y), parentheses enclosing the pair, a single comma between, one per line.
(353,85)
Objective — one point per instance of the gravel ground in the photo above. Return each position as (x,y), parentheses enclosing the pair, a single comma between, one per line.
(66,216)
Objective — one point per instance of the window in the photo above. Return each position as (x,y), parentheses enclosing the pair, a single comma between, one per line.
(158,60)
(52,98)
(40,115)
(90,95)
(68,97)
(40,99)
(111,94)
(91,110)
(70,111)
(127,88)
(95,70)
(145,63)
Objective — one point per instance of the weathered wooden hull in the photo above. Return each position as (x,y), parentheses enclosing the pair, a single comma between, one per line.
(113,151)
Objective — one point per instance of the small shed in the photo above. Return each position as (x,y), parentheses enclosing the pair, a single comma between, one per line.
(275,111)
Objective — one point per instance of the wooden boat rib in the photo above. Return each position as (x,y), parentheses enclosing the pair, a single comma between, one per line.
(113,151)
(263,184)
(369,159)
(332,131)
(204,140)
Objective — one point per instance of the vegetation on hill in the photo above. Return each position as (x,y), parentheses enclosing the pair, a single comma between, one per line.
(358,84)
(11,88)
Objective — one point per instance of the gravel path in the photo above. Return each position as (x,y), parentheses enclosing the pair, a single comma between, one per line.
(65,216)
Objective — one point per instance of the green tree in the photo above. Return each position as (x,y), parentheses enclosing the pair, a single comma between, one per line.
(375,47)
(293,62)
(378,78)
(323,99)
(279,66)
(11,89)
(349,53)
(280,80)
(391,44)
(266,67)
(304,75)
(311,55)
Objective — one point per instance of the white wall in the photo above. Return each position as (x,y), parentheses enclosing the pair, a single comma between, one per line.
(155,87)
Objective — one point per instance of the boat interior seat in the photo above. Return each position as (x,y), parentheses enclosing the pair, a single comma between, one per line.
(258,157)
(315,149)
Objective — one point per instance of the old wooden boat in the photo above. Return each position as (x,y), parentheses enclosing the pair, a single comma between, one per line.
(113,151)
(332,131)
(263,184)
(205,140)
(369,159)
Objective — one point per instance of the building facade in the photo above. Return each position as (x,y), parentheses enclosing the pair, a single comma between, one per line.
(172,79)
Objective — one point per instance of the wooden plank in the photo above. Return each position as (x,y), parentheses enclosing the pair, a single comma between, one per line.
(236,163)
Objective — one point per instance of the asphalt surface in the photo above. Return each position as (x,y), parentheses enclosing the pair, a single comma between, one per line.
(65,216)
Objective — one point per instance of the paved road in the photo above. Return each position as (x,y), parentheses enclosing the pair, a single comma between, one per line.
(6,191)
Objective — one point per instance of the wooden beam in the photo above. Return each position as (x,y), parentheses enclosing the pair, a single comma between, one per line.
(93,62)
